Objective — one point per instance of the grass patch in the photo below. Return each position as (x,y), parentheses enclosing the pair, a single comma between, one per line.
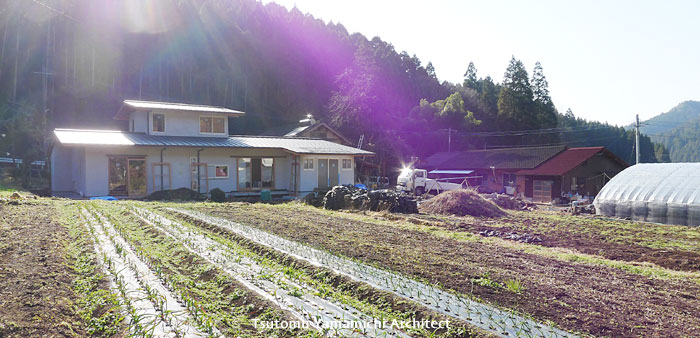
(514,285)
(485,280)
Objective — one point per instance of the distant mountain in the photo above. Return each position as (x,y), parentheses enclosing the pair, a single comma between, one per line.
(678,130)
(677,116)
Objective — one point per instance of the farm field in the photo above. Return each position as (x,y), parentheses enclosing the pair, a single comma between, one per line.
(130,268)
(50,284)
(598,294)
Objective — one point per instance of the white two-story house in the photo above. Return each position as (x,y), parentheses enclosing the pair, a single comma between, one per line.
(173,145)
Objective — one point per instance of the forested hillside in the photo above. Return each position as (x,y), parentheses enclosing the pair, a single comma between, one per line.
(681,114)
(71,63)
(678,130)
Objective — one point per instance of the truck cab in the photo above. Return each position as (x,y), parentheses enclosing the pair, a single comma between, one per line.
(412,180)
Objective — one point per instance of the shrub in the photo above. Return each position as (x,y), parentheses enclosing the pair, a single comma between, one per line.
(217,195)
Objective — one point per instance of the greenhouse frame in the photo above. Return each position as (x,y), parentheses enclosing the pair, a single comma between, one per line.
(654,192)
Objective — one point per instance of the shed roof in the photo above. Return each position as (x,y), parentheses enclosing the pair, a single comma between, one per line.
(120,138)
(504,158)
(137,105)
(293,130)
(567,160)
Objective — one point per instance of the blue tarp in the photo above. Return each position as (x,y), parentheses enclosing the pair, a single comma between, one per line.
(105,198)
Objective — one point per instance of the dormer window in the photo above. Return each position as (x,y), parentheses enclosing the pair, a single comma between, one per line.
(212,125)
(158,123)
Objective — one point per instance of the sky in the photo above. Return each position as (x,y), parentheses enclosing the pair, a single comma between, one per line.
(606,60)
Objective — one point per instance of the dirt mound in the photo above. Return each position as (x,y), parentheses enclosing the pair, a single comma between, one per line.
(461,202)
(181,194)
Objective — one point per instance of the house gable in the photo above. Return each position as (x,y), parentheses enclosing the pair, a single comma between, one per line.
(324,132)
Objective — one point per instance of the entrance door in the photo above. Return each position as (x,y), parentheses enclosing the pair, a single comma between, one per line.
(333,172)
(117,176)
(137,177)
(542,191)
(323,173)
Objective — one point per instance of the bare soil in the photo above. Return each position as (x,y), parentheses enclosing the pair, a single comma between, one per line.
(36,296)
(589,298)
(578,233)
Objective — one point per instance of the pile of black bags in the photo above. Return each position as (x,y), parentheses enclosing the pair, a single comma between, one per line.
(349,197)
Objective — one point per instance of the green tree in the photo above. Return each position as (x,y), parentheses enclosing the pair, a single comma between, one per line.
(448,113)
(661,153)
(545,110)
(515,101)
(489,95)
(431,70)
(470,79)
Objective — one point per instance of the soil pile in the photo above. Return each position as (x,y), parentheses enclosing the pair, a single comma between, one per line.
(181,194)
(461,202)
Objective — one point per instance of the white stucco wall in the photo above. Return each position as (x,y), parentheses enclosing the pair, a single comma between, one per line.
(67,168)
(308,179)
(140,123)
(85,169)
(177,123)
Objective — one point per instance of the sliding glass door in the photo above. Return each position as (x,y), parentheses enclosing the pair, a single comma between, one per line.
(256,173)
(127,176)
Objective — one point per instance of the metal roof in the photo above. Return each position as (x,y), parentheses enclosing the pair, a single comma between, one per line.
(450,172)
(504,158)
(567,160)
(135,105)
(19,161)
(294,130)
(120,138)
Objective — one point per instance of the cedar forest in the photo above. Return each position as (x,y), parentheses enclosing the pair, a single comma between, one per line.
(71,63)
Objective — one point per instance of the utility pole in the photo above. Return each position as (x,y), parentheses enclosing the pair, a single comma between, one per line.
(636,137)
(449,140)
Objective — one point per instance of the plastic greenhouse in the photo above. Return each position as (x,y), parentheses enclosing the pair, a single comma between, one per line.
(654,192)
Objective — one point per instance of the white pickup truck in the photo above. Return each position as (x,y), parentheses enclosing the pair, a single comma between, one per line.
(416,181)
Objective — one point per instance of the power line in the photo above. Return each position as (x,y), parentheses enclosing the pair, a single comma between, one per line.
(54,10)
(677,137)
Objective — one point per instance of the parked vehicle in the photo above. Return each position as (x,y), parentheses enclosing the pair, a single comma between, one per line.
(416,181)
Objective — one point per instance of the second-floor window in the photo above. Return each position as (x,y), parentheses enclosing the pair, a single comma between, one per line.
(158,123)
(212,125)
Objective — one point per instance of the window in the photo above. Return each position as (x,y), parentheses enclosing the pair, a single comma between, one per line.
(419,174)
(509,180)
(255,173)
(309,164)
(212,125)
(158,123)
(347,163)
(484,181)
(193,160)
(221,171)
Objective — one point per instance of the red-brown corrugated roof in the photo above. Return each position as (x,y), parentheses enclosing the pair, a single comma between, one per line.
(564,162)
